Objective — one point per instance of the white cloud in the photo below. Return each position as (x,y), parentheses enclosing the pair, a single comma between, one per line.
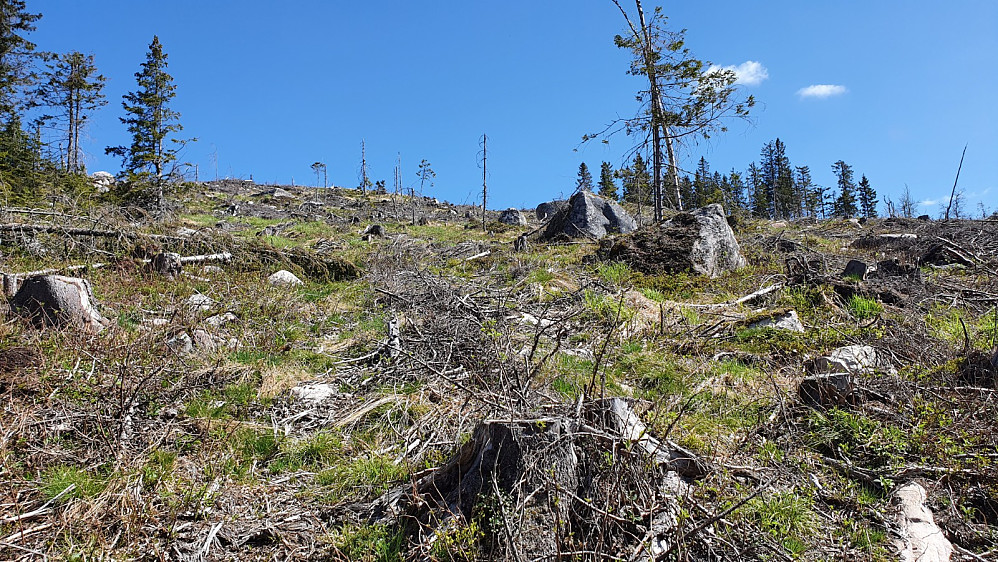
(749,73)
(822,91)
(930,202)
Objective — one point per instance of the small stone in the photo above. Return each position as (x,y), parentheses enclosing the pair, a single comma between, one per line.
(203,340)
(199,303)
(212,270)
(786,321)
(219,320)
(284,278)
(314,392)
(181,344)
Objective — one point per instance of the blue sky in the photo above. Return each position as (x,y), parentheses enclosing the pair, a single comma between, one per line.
(271,87)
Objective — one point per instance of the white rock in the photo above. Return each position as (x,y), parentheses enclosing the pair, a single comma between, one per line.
(787,321)
(284,278)
(855,359)
(56,300)
(314,392)
(219,320)
(212,269)
(921,539)
(199,303)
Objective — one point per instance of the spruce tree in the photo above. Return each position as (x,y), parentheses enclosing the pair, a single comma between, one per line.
(867,198)
(585,180)
(637,182)
(151,123)
(17,57)
(19,150)
(72,87)
(607,187)
(845,203)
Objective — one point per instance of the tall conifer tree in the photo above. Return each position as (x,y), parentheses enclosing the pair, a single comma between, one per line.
(867,198)
(845,203)
(151,122)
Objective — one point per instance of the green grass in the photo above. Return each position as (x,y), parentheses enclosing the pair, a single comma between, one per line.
(369,543)
(615,273)
(863,308)
(59,478)
(787,516)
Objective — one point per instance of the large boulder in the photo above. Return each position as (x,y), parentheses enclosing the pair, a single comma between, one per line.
(512,216)
(551,208)
(56,300)
(589,216)
(700,242)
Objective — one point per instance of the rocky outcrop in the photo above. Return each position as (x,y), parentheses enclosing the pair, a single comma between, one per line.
(589,216)
(700,242)
(55,300)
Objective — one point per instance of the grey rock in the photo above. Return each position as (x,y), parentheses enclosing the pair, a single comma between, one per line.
(102,181)
(549,209)
(920,539)
(284,278)
(276,193)
(835,389)
(513,216)
(181,344)
(855,268)
(786,321)
(212,270)
(219,320)
(55,300)
(855,359)
(199,303)
(590,216)
(203,340)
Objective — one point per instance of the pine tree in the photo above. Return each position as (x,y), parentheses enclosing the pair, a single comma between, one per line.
(607,187)
(151,122)
(867,198)
(585,180)
(72,87)
(845,203)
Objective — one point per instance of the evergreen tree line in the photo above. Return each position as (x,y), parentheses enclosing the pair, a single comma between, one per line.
(771,188)
(47,100)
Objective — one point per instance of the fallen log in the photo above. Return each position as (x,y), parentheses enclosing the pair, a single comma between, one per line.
(71,231)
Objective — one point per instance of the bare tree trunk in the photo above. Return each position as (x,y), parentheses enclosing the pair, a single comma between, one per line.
(656,113)
(953,193)
(674,170)
(484,187)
